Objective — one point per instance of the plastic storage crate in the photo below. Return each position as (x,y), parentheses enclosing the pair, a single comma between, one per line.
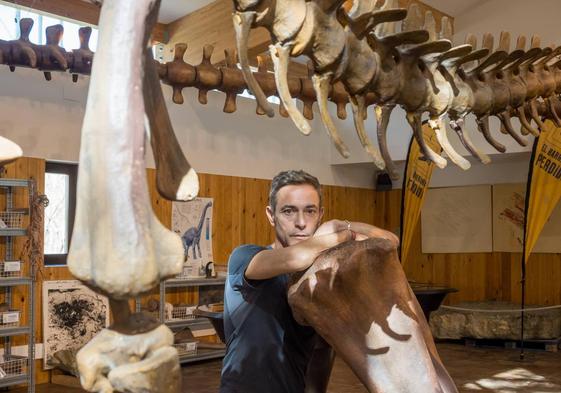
(183,312)
(186,348)
(11,219)
(13,366)
(10,318)
(9,269)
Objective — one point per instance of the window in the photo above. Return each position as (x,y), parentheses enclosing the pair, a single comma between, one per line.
(9,27)
(60,188)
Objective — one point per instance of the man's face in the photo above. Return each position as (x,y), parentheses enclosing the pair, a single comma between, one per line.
(297,214)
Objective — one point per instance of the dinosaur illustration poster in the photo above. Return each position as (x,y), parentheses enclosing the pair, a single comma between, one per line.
(72,315)
(193,222)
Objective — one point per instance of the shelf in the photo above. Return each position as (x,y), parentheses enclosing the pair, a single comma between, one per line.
(13,232)
(15,380)
(193,282)
(13,331)
(202,354)
(10,282)
(195,323)
(14,182)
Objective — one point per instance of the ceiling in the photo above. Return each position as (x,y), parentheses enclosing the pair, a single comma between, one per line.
(171,10)
(454,7)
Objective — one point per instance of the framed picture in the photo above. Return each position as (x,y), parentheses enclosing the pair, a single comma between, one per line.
(72,315)
(193,222)
(457,220)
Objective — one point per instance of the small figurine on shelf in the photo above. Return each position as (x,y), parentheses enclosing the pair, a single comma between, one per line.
(209,270)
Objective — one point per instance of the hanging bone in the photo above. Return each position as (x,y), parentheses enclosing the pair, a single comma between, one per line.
(119,248)
(387,341)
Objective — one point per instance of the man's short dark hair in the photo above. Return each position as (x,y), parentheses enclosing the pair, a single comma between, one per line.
(292,177)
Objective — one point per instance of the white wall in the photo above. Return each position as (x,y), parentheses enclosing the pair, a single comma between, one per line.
(515,16)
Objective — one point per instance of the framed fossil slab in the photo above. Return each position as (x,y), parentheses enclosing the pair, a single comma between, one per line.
(72,315)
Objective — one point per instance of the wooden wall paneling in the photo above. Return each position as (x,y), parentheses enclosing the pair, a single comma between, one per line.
(162,209)
(212,25)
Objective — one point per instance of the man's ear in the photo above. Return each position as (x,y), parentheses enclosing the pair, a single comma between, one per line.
(321,214)
(270,215)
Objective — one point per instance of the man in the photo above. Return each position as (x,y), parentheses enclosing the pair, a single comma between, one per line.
(267,351)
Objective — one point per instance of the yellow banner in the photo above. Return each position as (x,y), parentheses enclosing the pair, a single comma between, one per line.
(544,184)
(415,184)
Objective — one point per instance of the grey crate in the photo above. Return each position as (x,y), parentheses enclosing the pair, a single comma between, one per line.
(13,367)
(10,318)
(9,269)
(183,312)
(186,348)
(11,219)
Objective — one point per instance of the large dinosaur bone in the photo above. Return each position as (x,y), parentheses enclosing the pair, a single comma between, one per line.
(137,363)
(357,298)
(119,247)
(283,19)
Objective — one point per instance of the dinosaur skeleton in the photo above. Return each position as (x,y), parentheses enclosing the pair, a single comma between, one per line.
(368,64)
(416,68)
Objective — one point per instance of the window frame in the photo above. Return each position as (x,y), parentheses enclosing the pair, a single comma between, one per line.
(71,170)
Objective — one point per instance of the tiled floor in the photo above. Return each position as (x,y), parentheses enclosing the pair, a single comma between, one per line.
(473,369)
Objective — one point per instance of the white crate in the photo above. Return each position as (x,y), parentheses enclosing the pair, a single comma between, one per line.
(186,348)
(183,312)
(10,318)
(10,269)
(11,220)
(186,272)
(12,367)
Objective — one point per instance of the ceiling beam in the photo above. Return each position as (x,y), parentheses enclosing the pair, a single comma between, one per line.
(79,10)
(438,15)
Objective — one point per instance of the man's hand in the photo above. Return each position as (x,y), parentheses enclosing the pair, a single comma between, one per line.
(360,231)
(330,226)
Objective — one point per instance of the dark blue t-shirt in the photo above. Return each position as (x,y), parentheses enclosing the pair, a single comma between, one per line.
(267,351)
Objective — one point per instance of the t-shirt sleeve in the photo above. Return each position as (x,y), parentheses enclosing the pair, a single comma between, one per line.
(237,264)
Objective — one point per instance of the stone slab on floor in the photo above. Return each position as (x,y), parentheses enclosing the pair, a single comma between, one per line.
(453,324)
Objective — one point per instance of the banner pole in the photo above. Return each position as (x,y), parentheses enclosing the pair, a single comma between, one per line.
(403,190)
(523,275)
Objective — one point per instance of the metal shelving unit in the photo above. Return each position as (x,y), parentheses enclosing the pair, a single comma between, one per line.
(200,323)
(15,370)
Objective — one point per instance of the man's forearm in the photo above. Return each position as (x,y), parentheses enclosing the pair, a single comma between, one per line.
(271,263)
